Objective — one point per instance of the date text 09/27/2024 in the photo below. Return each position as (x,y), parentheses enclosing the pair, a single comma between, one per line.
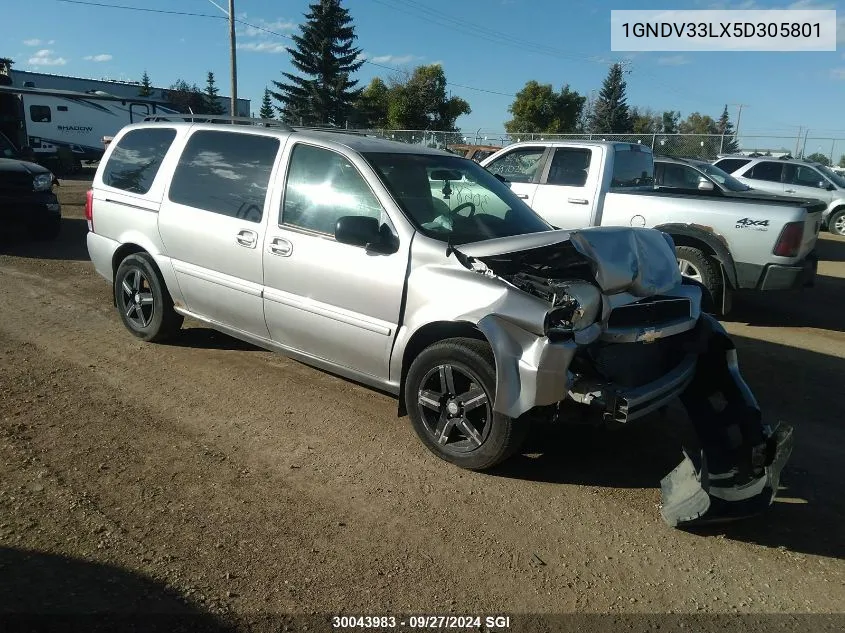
(499,622)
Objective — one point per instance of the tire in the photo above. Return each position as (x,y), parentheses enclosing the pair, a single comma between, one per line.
(45,229)
(476,437)
(142,299)
(836,223)
(707,273)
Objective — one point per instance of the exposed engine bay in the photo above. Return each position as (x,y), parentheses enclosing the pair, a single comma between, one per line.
(649,344)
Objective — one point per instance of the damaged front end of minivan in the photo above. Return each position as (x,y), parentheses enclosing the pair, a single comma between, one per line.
(624,335)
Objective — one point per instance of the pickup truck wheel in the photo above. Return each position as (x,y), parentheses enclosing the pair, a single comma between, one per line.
(449,392)
(46,229)
(143,301)
(697,266)
(836,223)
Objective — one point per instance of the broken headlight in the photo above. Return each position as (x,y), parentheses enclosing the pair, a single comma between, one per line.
(575,309)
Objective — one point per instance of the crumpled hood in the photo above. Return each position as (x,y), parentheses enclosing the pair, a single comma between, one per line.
(13,165)
(639,261)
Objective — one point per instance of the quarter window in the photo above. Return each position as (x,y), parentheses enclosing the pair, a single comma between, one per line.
(570,167)
(765,170)
(322,187)
(226,173)
(136,158)
(40,114)
(520,165)
(730,165)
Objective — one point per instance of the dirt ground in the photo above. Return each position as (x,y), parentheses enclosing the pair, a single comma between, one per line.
(209,477)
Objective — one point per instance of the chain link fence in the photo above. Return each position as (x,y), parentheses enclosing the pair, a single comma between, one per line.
(701,146)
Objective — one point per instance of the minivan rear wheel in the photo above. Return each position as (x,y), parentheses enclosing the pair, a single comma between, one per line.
(449,392)
(142,299)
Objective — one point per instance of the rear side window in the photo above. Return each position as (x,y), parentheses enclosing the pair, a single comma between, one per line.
(632,167)
(226,173)
(765,170)
(136,158)
(730,165)
(570,167)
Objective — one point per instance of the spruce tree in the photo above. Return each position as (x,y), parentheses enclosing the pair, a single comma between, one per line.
(610,111)
(726,128)
(266,111)
(323,92)
(210,98)
(146,89)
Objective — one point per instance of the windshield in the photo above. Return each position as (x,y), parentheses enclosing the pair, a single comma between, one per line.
(633,166)
(7,150)
(722,177)
(835,178)
(454,199)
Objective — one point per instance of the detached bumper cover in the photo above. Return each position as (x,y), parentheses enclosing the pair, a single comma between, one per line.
(735,469)
(691,495)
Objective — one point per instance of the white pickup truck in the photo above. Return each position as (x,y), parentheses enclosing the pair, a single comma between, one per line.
(724,243)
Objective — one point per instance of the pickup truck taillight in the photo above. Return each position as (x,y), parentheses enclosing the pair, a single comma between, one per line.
(89,209)
(789,242)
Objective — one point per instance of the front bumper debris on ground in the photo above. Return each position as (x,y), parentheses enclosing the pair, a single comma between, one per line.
(734,471)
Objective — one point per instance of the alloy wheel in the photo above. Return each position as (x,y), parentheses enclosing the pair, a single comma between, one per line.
(137,301)
(455,408)
(839,224)
(688,269)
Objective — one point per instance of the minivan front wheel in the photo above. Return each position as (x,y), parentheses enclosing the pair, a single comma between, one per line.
(143,301)
(449,392)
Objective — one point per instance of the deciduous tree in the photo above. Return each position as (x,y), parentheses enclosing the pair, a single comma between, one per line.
(538,108)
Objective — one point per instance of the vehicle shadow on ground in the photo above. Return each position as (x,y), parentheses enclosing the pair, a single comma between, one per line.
(821,307)
(793,385)
(70,245)
(41,591)
(207,338)
(831,249)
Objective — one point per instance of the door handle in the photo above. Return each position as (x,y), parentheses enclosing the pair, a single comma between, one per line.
(789,190)
(578,200)
(281,246)
(247,238)
(522,196)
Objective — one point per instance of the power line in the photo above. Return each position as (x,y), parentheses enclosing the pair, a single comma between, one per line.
(263,29)
(144,9)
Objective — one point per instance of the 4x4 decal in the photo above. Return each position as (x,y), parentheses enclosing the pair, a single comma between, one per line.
(749,223)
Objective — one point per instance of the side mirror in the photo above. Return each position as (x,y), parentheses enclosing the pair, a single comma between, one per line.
(704,185)
(826,186)
(364,231)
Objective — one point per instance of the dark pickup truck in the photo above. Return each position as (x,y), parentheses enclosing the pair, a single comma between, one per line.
(26,195)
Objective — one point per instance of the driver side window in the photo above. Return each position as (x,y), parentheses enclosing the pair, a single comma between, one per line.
(322,187)
(808,177)
(520,165)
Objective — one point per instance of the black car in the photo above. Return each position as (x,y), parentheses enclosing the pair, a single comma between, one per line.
(26,194)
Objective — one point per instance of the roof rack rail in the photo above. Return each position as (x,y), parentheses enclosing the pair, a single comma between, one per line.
(218,118)
(335,130)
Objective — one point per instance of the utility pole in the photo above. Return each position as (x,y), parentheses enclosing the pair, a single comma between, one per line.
(804,148)
(738,117)
(798,139)
(232,58)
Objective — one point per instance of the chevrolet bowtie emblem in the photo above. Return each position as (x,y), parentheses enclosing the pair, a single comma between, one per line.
(650,335)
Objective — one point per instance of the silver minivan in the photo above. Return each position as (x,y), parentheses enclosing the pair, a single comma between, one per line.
(374,260)
(793,178)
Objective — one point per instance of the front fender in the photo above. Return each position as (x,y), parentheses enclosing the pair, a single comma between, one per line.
(531,370)
(712,239)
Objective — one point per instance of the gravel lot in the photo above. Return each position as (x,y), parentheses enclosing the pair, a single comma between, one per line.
(211,477)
